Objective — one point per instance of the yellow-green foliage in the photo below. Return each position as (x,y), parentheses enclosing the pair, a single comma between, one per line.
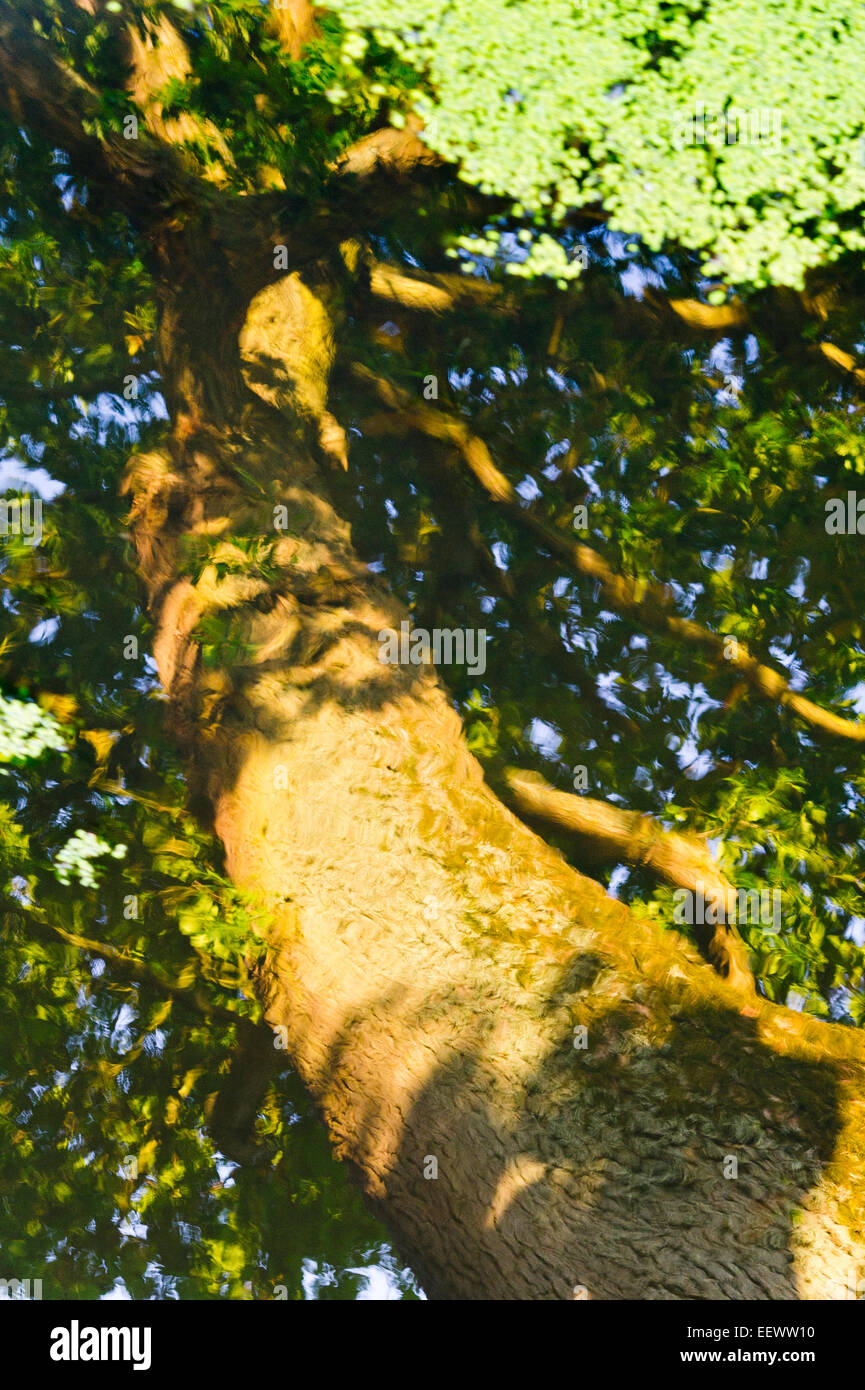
(559,104)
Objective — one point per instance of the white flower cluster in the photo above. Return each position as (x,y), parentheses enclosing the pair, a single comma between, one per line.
(26,731)
(76,855)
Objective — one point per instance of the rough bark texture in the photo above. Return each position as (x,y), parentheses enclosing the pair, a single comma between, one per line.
(433,956)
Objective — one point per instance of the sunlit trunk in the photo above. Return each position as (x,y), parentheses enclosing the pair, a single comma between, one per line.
(543,1096)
